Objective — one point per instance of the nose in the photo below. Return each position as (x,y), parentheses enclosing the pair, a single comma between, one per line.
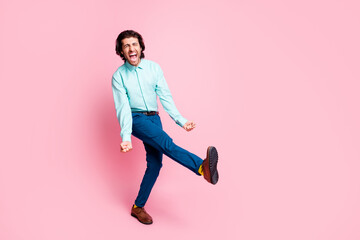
(131,48)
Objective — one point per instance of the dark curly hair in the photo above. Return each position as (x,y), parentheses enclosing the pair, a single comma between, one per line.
(128,34)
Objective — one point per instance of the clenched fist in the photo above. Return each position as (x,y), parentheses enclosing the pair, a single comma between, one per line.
(189,125)
(125,146)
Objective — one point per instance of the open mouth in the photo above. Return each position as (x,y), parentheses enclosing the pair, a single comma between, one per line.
(133,57)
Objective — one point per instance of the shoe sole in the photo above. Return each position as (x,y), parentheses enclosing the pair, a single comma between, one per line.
(139,219)
(213,160)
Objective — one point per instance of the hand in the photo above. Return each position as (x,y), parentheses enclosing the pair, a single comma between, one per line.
(125,146)
(189,125)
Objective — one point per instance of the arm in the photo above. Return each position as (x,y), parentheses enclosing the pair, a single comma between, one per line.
(163,91)
(123,112)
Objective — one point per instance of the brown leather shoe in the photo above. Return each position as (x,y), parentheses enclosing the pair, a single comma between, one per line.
(210,165)
(141,215)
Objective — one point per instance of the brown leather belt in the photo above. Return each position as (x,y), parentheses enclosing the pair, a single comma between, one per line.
(151,113)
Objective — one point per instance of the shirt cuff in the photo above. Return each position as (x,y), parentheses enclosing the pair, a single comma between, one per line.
(181,121)
(126,138)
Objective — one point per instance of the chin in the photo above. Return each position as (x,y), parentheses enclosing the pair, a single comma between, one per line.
(135,63)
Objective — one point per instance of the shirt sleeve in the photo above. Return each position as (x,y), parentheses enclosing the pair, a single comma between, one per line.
(122,106)
(166,99)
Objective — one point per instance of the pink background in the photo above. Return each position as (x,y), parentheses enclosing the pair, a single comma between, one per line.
(273,84)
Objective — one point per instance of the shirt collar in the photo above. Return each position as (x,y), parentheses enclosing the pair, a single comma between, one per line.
(131,67)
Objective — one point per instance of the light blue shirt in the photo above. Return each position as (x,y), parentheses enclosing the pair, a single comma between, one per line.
(136,89)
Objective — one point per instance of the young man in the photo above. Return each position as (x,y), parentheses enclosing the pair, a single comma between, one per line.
(136,85)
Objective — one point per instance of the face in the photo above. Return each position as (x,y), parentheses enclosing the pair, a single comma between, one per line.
(131,50)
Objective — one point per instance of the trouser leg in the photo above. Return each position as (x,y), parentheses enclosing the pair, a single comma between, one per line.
(154,164)
(149,130)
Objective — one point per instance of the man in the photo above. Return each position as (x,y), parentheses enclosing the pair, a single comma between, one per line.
(136,85)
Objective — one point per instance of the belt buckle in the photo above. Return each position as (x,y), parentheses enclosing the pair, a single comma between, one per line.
(151,113)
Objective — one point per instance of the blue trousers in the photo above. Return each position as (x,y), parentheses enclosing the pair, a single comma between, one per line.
(149,130)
